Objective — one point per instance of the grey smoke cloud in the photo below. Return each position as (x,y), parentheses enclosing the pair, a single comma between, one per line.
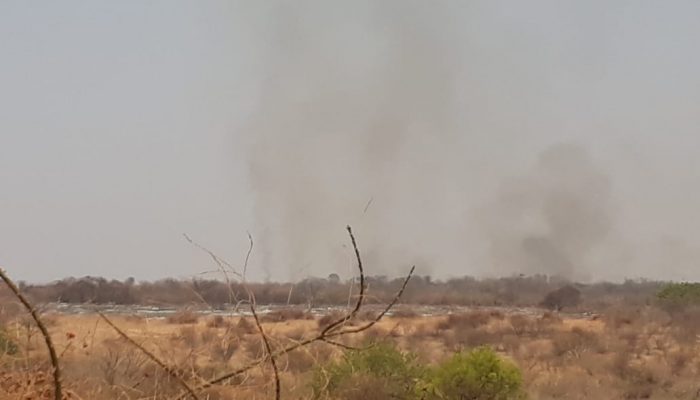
(550,219)
(125,124)
(447,115)
(353,114)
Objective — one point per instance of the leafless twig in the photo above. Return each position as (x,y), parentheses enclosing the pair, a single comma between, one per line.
(263,335)
(360,298)
(58,390)
(329,332)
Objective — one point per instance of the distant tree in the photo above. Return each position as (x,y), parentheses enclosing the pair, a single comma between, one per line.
(676,296)
(334,278)
(566,296)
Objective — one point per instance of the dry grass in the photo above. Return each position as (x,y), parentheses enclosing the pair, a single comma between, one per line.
(621,355)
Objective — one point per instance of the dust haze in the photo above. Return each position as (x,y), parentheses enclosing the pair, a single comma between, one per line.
(550,219)
(482,138)
(447,143)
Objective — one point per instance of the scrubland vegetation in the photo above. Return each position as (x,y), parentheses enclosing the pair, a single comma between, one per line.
(638,348)
(521,338)
(518,291)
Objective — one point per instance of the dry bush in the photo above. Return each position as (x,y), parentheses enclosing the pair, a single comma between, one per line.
(564,297)
(245,327)
(620,319)
(217,321)
(642,380)
(22,384)
(183,317)
(469,338)
(305,359)
(297,334)
(290,314)
(576,342)
(223,347)
(365,315)
(522,325)
(533,327)
(678,360)
(685,326)
(497,315)
(468,320)
(510,343)
(120,363)
(327,319)
(376,334)
(404,313)
(253,348)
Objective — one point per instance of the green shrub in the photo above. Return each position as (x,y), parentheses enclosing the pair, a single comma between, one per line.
(479,374)
(379,372)
(7,346)
(679,295)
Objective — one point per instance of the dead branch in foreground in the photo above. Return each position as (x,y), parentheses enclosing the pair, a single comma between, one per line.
(58,390)
(331,331)
(263,335)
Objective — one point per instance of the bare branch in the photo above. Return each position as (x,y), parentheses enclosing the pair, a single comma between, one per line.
(221,263)
(360,298)
(58,389)
(263,336)
(268,349)
(247,256)
(295,346)
(383,313)
(323,336)
(344,346)
(150,355)
(368,204)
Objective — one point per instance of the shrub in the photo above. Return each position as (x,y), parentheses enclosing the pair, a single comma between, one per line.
(245,327)
(379,372)
(576,342)
(468,320)
(673,296)
(183,317)
(217,321)
(567,296)
(7,346)
(479,374)
(327,319)
(283,315)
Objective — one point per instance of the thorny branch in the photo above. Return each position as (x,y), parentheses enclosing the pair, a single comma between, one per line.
(58,390)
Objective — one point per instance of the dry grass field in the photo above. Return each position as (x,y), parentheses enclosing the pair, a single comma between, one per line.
(630,353)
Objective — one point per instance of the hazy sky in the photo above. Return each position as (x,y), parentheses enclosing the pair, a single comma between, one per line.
(125,124)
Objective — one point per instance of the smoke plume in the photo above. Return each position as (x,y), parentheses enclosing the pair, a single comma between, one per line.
(550,219)
(349,130)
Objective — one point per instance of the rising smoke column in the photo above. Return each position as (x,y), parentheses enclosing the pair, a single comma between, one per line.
(356,105)
(550,219)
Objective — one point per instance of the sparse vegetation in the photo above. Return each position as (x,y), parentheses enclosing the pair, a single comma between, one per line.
(628,341)
(521,291)
(7,345)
